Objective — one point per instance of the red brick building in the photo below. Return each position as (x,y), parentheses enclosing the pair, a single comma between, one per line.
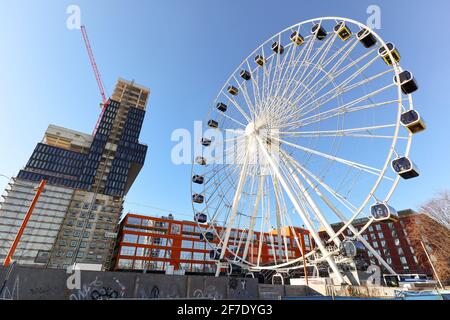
(154,244)
(390,240)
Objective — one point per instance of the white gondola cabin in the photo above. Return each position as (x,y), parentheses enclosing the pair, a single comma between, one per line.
(221,107)
(351,248)
(213,124)
(382,212)
(200,218)
(412,121)
(209,236)
(277,48)
(198,198)
(297,38)
(260,60)
(407,82)
(200,160)
(405,168)
(343,31)
(206,142)
(233,90)
(382,52)
(245,75)
(366,37)
(215,254)
(319,32)
(198,179)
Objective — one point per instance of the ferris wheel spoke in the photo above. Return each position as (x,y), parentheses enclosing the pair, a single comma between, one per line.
(306,195)
(339,133)
(302,66)
(314,66)
(339,90)
(299,209)
(238,107)
(341,110)
(344,108)
(243,89)
(353,164)
(332,74)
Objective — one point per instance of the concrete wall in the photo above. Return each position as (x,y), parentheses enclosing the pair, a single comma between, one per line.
(28,283)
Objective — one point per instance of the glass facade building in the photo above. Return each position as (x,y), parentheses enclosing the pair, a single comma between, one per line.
(92,174)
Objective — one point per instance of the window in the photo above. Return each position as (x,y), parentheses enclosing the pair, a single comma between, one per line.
(185,255)
(131,238)
(188,228)
(380,235)
(80,254)
(378,227)
(397,242)
(373,237)
(73,243)
(400,251)
(69,254)
(186,244)
(176,229)
(199,245)
(200,256)
(124,263)
(63,243)
(403,260)
(370,228)
(375,244)
(83,244)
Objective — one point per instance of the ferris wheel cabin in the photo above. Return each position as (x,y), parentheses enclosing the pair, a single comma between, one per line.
(319,32)
(206,142)
(405,168)
(198,179)
(215,254)
(233,90)
(382,212)
(213,124)
(351,248)
(382,52)
(366,38)
(412,121)
(245,75)
(260,61)
(209,236)
(277,48)
(221,107)
(297,38)
(200,218)
(343,31)
(198,198)
(407,82)
(200,160)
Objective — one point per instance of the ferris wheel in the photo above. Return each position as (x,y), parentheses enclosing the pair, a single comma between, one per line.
(313,127)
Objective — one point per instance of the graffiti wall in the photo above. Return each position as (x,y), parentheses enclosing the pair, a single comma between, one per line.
(26,283)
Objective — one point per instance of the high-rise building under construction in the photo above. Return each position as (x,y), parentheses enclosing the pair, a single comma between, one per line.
(76,217)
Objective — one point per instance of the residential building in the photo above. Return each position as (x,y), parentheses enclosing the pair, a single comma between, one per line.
(155,243)
(390,240)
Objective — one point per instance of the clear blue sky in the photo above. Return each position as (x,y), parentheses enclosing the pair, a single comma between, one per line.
(184,51)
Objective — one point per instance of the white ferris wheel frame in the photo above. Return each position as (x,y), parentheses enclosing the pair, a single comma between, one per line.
(334,236)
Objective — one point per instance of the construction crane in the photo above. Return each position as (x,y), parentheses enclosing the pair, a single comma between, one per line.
(105,101)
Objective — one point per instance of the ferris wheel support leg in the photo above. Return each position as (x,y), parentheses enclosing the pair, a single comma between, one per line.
(237,198)
(313,206)
(298,208)
(252,221)
(341,216)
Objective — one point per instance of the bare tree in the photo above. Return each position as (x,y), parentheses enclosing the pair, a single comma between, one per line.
(432,227)
(438,208)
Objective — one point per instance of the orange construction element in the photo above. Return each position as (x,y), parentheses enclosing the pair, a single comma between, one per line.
(24,223)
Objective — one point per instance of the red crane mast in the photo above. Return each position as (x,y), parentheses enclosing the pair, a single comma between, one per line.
(105,101)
